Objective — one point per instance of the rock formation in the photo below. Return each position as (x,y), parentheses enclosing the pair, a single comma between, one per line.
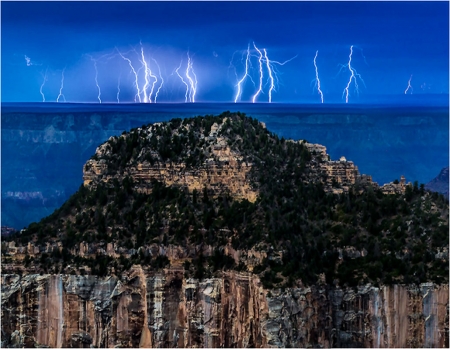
(440,183)
(163,309)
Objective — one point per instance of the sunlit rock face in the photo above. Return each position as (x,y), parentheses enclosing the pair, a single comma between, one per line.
(166,310)
(225,170)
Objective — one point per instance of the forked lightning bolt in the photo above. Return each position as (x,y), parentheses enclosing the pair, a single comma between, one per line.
(272,86)
(273,72)
(353,76)
(409,86)
(155,80)
(61,88)
(160,76)
(96,77)
(239,84)
(317,77)
(136,83)
(263,60)
(192,82)
(260,59)
(147,73)
(184,82)
(118,88)
(43,83)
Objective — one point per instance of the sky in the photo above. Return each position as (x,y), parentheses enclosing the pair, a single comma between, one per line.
(69,51)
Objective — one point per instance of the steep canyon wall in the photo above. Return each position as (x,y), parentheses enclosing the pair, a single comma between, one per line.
(166,310)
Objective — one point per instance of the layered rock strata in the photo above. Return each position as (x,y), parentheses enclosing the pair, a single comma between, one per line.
(224,170)
(166,310)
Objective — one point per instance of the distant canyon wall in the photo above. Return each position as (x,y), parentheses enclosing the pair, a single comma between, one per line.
(166,310)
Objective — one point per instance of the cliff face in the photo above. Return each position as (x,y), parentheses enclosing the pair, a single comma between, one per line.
(167,310)
(223,170)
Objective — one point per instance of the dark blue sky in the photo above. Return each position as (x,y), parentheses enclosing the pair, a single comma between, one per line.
(392,41)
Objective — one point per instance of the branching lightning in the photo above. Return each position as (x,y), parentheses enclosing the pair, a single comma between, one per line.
(96,77)
(317,78)
(272,86)
(263,62)
(61,88)
(160,76)
(155,80)
(118,88)
(193,83)
(260,59)
(147,73)
(136,84)
(409,85)
(353,75)
(184,82)
(239,84)
(96,82)
(43,83)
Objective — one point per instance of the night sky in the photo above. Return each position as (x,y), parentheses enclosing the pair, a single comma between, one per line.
(391,41)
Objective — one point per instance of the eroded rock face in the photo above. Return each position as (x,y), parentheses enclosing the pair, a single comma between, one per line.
(224,170)
(166,310)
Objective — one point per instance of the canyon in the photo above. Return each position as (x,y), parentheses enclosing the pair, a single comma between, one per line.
(251,300)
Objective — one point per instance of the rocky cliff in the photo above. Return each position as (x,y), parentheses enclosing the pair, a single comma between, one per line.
(223,169)
(164,309)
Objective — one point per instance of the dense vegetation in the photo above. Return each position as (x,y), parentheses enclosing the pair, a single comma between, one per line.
(308,234)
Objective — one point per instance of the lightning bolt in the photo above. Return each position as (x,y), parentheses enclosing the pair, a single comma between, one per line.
(61,88)
(96,77)
(317,77)
(272,87)
(193,89)
(147,72)
(153,76)
(43,83)
(239,84)
(362,54)
(160,76)
(353,75)
(118,88)
(138,92)
(409,85)
(231,65)
(271,71)
(184,82)
(96,82)
(260,59)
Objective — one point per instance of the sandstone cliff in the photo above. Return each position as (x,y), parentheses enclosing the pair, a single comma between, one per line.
(223,168)
(164,309)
